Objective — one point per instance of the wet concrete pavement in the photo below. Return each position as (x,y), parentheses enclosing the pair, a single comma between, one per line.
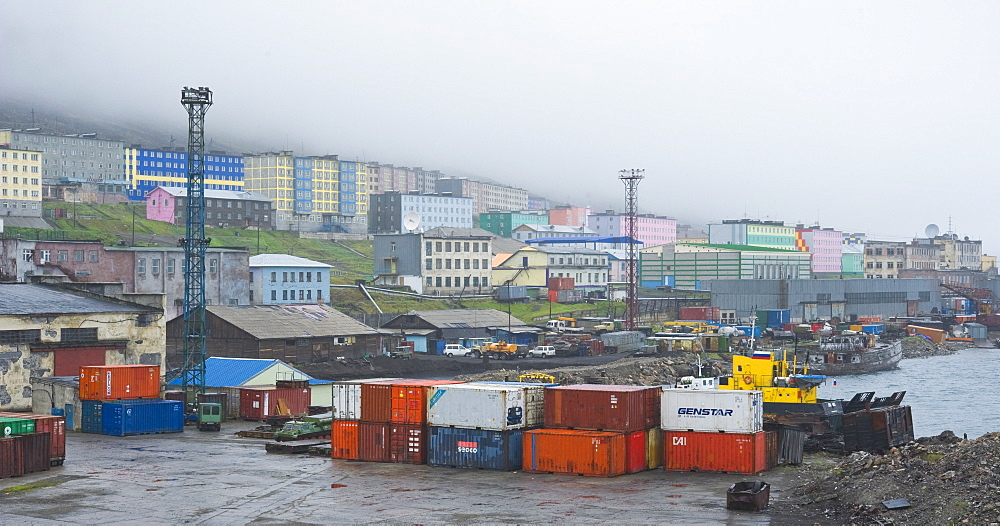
(210,478)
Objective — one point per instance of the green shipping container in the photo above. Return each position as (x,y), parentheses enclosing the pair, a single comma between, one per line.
(16,426)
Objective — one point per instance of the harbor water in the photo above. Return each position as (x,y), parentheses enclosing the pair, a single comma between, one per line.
(957,392)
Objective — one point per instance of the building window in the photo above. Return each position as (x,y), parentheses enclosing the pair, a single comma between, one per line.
(301,278)
(62,255)
(302,295)
(430,281)
(213,265)
(319,294)
(27,255)
(427,248)
(437,281)
(170,266)
(93,256)
(274,295)
(78,255)
(78,335)
(284,295)
(22,336)
(274,277)
(156,266)
(140,266)
(447,281)
(46,256)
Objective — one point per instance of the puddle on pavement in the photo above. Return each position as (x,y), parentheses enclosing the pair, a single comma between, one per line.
(338,485)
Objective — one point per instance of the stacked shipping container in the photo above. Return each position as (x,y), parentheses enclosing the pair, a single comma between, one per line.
(715,430)
(596,430)
(481,424)
(124,400)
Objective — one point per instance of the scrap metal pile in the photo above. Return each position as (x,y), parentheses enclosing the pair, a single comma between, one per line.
(944,480)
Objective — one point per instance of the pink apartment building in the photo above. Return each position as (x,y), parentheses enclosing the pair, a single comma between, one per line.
(824,246)
(651,230)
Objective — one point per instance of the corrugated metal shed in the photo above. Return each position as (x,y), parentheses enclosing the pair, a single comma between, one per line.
(824,298)
(454,319)
(18,298)
(290,321)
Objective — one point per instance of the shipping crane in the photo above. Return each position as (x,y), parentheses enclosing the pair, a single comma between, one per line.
(196,101)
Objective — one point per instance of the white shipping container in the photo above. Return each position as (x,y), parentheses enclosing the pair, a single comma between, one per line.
(486,406)
(711,410)
(347,398)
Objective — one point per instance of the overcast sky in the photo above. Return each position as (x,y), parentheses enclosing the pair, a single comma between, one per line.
(878,117)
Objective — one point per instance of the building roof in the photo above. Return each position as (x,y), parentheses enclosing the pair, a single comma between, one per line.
(267,322)
(583,239)
(464,233)
(568,250)
(178,191)
(19,298)
(556,229)
(743,248)
(283,260)
(506,245)
(464,318)
(234,372)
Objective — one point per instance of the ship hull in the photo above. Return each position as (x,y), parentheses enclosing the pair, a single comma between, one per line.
(841,363)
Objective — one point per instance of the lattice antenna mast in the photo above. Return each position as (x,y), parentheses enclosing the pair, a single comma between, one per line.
(631,179)
(196,101)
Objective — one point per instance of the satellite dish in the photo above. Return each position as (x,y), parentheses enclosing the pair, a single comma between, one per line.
(411,221)
(932,230)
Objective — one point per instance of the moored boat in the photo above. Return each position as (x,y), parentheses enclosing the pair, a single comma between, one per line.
(860,353)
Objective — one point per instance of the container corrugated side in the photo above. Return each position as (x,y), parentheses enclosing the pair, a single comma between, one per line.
(10,426)
(344,439)
(475,448)
(92,416)
(573,451)
(53,425)
(720,410)
(409,400)
(620,408)
(485,406)
(376,401)
(744,453)
(11,457)
(635,452)
(119,382)
(407,443)
(346,399)
(373,441)
(141,417)
(37,450)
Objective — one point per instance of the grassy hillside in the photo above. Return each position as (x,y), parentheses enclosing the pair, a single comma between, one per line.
(114,223)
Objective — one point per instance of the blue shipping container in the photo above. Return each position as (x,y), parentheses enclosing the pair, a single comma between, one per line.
(778,317)
(475,448)
(875,328)
(133,417)
(757,331)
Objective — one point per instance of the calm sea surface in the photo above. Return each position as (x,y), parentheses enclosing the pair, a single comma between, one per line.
(960,392)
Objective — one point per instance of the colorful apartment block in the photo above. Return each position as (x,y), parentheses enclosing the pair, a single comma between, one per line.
(146,169)
(20,183)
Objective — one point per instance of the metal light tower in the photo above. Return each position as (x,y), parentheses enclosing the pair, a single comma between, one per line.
(196,101)
(631,179)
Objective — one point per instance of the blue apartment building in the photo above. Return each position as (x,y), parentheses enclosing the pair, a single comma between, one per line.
(280,279)
(146,169)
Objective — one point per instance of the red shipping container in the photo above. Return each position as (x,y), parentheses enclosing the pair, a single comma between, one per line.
(635,452)
(36,451)
(621,408)
(119,382)
(408,443)
(260,403)
(55,426)
(403,401)
(11,457)
(553,296)
(373,441)
(744,453)
(344,440)
(574,452)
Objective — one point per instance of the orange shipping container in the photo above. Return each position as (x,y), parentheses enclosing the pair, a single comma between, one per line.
(744,453)
(344,440)
(402,401)
(119,382)
(260,403)
(575,452)
(620,408)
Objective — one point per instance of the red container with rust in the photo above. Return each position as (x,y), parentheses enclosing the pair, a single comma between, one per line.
(402,401)
(620,408)
(575,452)
(36,448)
(261,403)
(344,440)
(11,457)
(373,441)
(744,453)
(408,443)
(55,426)
(119,382)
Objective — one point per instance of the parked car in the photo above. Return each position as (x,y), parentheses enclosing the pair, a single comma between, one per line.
(542,351)
(454,349)
(402,351)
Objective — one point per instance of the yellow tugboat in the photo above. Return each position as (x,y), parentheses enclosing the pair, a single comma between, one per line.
(784,391)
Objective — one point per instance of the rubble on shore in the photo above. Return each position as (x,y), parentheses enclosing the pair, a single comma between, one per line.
(626,371)
(945,479)
(920,347)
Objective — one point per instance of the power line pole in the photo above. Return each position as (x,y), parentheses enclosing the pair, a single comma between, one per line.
(196,101)
(631,179)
